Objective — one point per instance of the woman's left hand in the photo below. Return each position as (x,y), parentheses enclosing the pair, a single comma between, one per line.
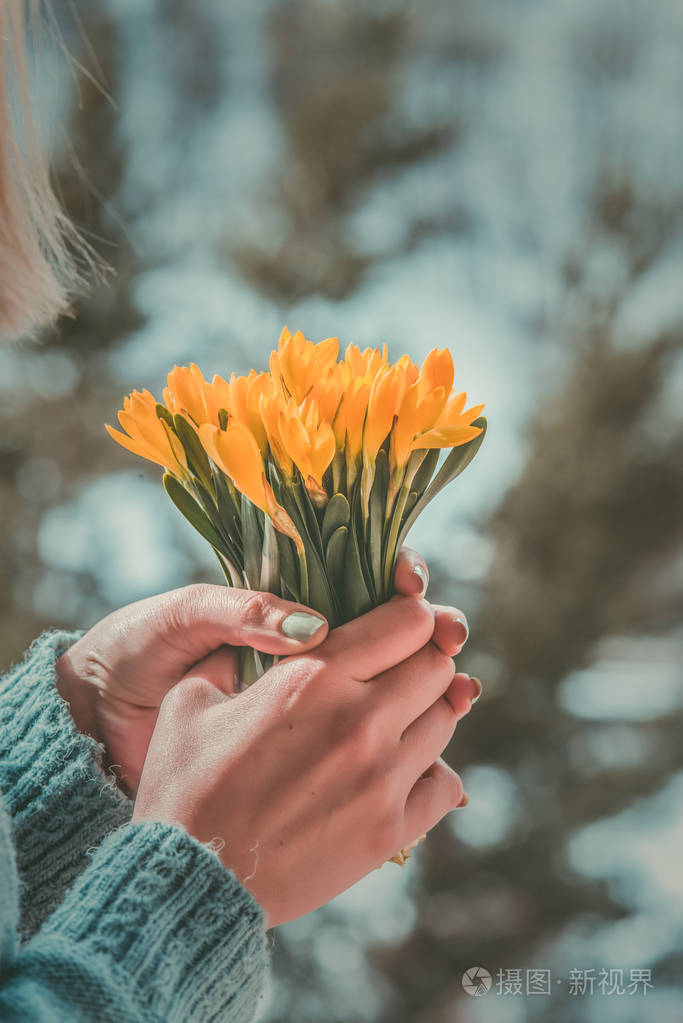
(115,677)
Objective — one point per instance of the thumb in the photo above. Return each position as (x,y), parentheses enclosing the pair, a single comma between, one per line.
(203,617)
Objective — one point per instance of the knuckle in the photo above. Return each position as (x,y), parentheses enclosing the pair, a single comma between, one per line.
(191,694)
(254,608)
(366,734)
(421,611)
(440,663)
(294,678)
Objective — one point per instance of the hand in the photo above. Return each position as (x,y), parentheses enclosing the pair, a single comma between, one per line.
(323,768)
(116,676)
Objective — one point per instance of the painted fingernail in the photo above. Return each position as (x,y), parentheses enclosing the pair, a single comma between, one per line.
(464,801)
(461,621)
(419,571)
(301,625)
(478,688)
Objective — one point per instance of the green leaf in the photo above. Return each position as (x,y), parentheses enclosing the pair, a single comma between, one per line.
(319,595)
(252,543)
(413,497)
(164,414)
(194,514)
(356,592)
(287,592)
(375,524)
(197,458)
(229,510)
(359,528)
(307,512)
(231,572)
(231,540)
(337,513)
(294,508)
(426,471)
(270,560)
(289,563)
(458,459)
(335,555)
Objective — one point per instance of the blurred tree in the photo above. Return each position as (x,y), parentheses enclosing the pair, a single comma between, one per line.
(334,71)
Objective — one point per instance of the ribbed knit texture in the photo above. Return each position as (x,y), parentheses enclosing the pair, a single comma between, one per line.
(60,800)
(149,925)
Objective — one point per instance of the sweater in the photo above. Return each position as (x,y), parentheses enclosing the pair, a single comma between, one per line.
(103,919)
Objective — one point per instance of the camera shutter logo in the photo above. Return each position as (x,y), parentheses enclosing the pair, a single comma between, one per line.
(476,981)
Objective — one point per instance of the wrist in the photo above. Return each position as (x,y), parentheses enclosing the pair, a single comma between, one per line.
(76,694)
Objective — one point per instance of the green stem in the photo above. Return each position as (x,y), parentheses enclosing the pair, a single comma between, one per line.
(412,466)
(303,574)
(393,535)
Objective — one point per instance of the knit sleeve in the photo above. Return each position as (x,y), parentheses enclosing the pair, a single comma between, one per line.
(59,798)
(154,929)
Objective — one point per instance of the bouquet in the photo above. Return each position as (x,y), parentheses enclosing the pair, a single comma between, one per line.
(306,479)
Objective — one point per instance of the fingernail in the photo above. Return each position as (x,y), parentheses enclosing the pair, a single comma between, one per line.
(301,625)
(478,688)
(461,621)
(419,571)
(464,801)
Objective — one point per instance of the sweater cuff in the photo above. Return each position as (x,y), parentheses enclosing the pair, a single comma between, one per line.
(57,793)
(161,918)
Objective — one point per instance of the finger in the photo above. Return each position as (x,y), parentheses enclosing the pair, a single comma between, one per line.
(380,639)
(403,693)
(450,629)
(428,736)
(433,795)
(411,576)
(203,617)
(219,669)
(462,693)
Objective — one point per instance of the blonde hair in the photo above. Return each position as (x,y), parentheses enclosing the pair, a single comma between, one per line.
(40,250)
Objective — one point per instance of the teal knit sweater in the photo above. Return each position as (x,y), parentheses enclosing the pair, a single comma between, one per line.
(102,919)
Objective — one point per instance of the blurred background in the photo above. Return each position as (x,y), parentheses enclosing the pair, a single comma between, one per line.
(502,178)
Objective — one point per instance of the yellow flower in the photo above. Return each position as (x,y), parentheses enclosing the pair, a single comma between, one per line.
(367,363)
(146,435)
(349,423)
(428,417)
(327,393)
(271,408)
(236,452)
(243,400)
(298,364)
(309,443)
(386,394)
(189,394)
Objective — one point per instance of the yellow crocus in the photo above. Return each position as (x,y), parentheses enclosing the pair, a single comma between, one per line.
(437,371)
(309,442)
(367,363)
(236,452)
(243,400)
(350,419)
(298,363)
(189,394)
(386,395)
(429,417)
(327,393)
(146,435)
(271,409)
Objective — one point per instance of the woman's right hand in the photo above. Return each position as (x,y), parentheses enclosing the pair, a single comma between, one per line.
(323,768)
